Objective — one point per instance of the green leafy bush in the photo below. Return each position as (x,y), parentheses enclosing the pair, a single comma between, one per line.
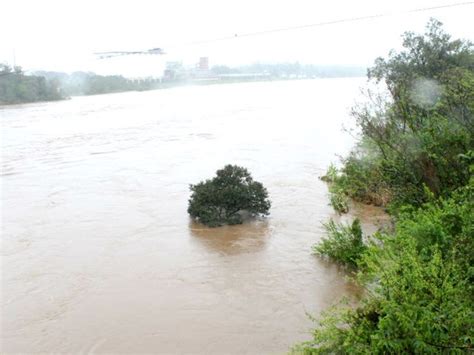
(359,180)
(420,287)
(220,200)
(344,243)
(331,174)
(337,195)
(339,200)
(417,152)
(414,135)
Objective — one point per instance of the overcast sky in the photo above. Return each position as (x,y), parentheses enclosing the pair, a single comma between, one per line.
(63,35)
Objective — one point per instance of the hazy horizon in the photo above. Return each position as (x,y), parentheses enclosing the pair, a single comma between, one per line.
(60,36)
(327,67)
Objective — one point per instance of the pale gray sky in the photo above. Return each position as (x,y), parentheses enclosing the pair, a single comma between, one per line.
(62,35)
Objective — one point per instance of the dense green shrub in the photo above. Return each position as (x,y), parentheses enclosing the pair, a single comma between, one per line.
(414,137)
(331,174)
(358,179)
(338,200)
(337,195)
(420,288)
(417,154)
(220,200)
(343,244)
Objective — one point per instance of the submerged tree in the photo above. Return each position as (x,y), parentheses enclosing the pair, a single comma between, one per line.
(220,200)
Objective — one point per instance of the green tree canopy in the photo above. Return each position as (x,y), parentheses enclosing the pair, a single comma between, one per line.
(219,200)
(417,155)
(413,137)
(16,87)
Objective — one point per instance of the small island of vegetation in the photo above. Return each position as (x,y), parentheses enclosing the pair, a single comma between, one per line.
(222,199)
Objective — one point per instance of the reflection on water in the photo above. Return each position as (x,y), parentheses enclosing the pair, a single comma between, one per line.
(229,240)
(98,254)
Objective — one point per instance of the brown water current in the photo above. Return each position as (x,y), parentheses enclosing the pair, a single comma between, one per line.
(99,254)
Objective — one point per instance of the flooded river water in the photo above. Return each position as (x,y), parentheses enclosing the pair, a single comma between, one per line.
(99,254)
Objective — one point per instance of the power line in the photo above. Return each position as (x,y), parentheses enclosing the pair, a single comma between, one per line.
(326,23)
(283,29)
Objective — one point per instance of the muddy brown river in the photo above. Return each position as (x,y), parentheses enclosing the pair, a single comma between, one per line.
(99,254)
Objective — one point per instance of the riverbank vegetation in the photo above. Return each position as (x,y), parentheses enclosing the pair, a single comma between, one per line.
(344,243)
(222,199)
(88,83)
(416,158)
(16,87)
(415,136)
(292,70)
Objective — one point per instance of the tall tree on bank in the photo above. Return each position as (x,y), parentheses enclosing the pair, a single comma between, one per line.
(416,155)
(414,136)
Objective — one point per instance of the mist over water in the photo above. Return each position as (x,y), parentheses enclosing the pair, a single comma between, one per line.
(99,254)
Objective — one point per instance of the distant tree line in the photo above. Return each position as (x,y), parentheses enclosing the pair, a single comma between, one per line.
(88,83)
(295,69)
(16,87)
